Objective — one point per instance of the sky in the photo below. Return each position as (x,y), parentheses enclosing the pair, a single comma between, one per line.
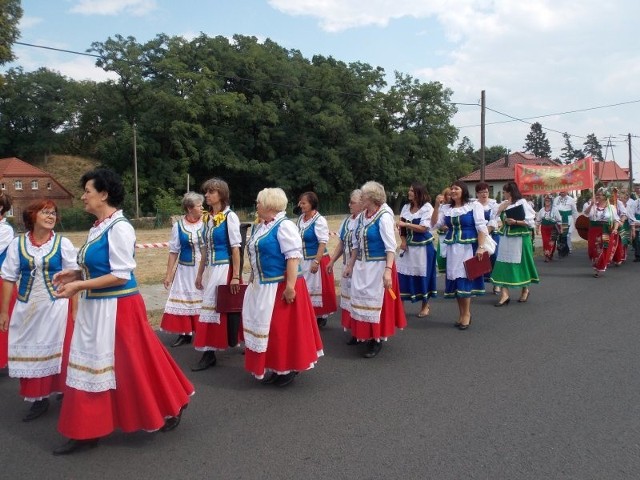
(572,65)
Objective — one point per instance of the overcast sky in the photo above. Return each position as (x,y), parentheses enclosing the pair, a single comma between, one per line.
(535,59)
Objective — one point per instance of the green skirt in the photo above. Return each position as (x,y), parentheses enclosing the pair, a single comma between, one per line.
(511,274)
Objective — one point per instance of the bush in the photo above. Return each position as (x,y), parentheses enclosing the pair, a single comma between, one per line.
(74,219)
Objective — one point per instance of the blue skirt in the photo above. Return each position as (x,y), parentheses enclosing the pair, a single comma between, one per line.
(417,288)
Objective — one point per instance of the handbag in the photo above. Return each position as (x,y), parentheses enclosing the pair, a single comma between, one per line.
(228,302)
(476,268)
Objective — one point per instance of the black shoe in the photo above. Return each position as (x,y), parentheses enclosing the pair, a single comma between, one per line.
(172,423)
(322,321)
(464,327)
(502,304)
(75,445)
(208,360)
(38,408)
(270,378)
(181,340)
(286,379)
(352,341)
(373,349)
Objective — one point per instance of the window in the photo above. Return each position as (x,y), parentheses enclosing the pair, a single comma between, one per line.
(34,184)
(18,184)
(49,186)
(3,185)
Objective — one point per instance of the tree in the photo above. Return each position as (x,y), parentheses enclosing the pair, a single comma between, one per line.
(10,15)
(570,154)
(593,148)
(537,143)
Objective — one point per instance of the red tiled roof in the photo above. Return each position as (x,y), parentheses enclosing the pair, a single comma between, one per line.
(499,171)
(610,172)
(14,167)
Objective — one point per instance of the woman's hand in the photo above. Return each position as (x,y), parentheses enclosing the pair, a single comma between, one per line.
(234,285)
(315,265)
(289,295)
(168,280)
(198,282)
(330,267)
(510,221)
(480,252)
(4,322)
(68,290)
(65,276)
(346,273)
(386,278)
(438,201)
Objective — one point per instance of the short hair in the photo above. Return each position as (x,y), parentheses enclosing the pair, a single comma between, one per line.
(5,203)
(375,192)
(273,199)
(191,199)
(218,185)
(482,186)
(356,193)
(446,191)
(513,190)
(311,197)
(30,213)
(420,194)
(465,192)
(106,180)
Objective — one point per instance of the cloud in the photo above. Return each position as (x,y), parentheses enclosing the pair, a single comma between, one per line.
(136,8)
(27,22)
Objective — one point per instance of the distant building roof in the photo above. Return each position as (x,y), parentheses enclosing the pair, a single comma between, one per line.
(610,171)
(14,167)
(504,169)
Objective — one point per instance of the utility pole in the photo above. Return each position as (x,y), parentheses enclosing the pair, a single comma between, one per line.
(630,166)
(482,114)
(135,168)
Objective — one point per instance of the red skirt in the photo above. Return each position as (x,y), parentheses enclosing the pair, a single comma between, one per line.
(329,301)
(294,339)
(37,388)
(181,324)
(391,317)
(600,248)
(213,336)
(4,336)
(548,239)
(149,384)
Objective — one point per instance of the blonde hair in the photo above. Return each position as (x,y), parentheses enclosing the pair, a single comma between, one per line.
(273,199)
(375,192)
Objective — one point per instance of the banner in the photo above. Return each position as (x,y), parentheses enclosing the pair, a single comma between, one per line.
(538,179)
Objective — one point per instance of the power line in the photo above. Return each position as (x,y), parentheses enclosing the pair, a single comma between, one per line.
(57,49)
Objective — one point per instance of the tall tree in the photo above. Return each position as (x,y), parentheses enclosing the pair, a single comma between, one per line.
(592,147)
(569,153)
(10,15)
(537,143)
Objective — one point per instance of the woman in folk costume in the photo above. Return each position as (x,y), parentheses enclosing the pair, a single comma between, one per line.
(280,328)
(343,249)
(490,206)
(417,264)
(549,226)
(515,266)
(120,375)
(183,305)
(376,310)
(41,324)
(621,199)
(466,232)
(314,231)
(442,231)
(219,265)
(604,223)
(6,236)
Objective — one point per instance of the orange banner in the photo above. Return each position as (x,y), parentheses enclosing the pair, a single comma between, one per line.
(538,180)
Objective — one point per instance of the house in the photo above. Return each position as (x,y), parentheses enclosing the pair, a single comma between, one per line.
(608,172)
(497,173)
(25,183)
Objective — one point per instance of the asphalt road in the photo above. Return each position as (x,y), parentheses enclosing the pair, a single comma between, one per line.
(544,390)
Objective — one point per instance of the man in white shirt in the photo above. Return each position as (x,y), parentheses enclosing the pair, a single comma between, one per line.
(566,206)
(633,214)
